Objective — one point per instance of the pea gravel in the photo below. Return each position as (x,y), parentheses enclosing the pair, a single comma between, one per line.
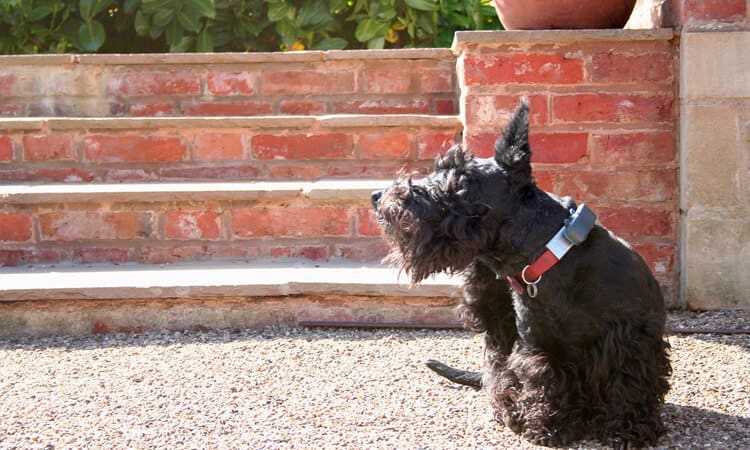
(317,388)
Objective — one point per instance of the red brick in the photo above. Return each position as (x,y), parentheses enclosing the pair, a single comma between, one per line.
(48,147)
(544,179)
(558,147)
(659,257)
(85,225)
(445,106)
(367,223)
(152,109)
(496,110)
(642,185)
(619,68)
(522,68)
(6,148)
(193,224)
(304,82)
(295,172)
(134,148)
(302,107)
(18,257)
(632,222)
(373,170)
(430,145)
(232,83)
(218,147)
(301,146)
(308,252)
(640,148)
(387,81)
(481,145)
(371,250)
(613,108)
(11,110)
(280,221)
(413,106)
(15,227)
(62,175)
(433,80)
(171,255)
(712,9)
(155,83)
(227,108)
(102,255)
(210,172)
(6,84)
(384,145)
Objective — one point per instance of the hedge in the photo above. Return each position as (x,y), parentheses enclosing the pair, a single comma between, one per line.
(147,26)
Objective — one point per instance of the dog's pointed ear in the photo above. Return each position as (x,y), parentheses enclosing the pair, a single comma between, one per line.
(512,151)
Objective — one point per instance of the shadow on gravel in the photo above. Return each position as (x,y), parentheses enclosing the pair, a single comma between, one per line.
(692,427)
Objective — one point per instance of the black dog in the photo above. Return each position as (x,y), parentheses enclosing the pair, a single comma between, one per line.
(575,348)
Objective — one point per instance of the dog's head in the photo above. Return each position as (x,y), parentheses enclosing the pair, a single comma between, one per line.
(463,209)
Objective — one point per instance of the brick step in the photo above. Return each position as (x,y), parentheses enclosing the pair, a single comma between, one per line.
(220,148)
(408,81)
(172,222)
(83,299)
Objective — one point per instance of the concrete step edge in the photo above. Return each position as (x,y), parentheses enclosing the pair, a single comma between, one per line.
(239,279)
(280,122)
(330,189)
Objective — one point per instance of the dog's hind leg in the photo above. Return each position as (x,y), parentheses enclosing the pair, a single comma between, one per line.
(460,376)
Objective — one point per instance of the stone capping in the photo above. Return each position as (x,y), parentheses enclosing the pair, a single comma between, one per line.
(225,58)
(326,190)
(249,279)
(465,38)
(254,122)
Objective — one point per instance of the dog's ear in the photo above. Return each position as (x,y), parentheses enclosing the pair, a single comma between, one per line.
(512,150)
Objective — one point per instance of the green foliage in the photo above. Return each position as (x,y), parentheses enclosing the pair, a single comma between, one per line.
(135,26)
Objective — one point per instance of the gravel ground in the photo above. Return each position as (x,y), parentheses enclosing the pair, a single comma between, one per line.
(318,388)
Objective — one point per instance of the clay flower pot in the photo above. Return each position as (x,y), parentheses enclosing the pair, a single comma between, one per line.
(549,14)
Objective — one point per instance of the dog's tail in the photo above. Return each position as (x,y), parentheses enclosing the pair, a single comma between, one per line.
(465,377)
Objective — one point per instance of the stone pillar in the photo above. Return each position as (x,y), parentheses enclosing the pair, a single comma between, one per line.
(715,161)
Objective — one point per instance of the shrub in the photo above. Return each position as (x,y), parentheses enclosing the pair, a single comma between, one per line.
(130,26)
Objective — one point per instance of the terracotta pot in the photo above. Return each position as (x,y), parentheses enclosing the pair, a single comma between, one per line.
(549,14)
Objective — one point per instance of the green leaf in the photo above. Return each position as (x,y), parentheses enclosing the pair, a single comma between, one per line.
(90,8)
(39,13)
(189,18)
(331,44)
(183,45)
(130,5)
(387,14)
(287,31)
(313,13)
(204,42)
(369,28)
(162,17)
(142,23)
(91,36)
(376,43)
(153,6)
(281,11)
(174,33)
(422,5)
(205,8)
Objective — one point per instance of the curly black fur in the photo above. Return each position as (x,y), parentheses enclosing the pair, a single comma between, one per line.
(586,358)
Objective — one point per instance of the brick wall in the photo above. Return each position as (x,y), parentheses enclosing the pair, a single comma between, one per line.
(708,12)
(371,82)
(603,115)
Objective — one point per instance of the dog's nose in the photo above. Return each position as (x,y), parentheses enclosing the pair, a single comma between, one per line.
(375,197)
